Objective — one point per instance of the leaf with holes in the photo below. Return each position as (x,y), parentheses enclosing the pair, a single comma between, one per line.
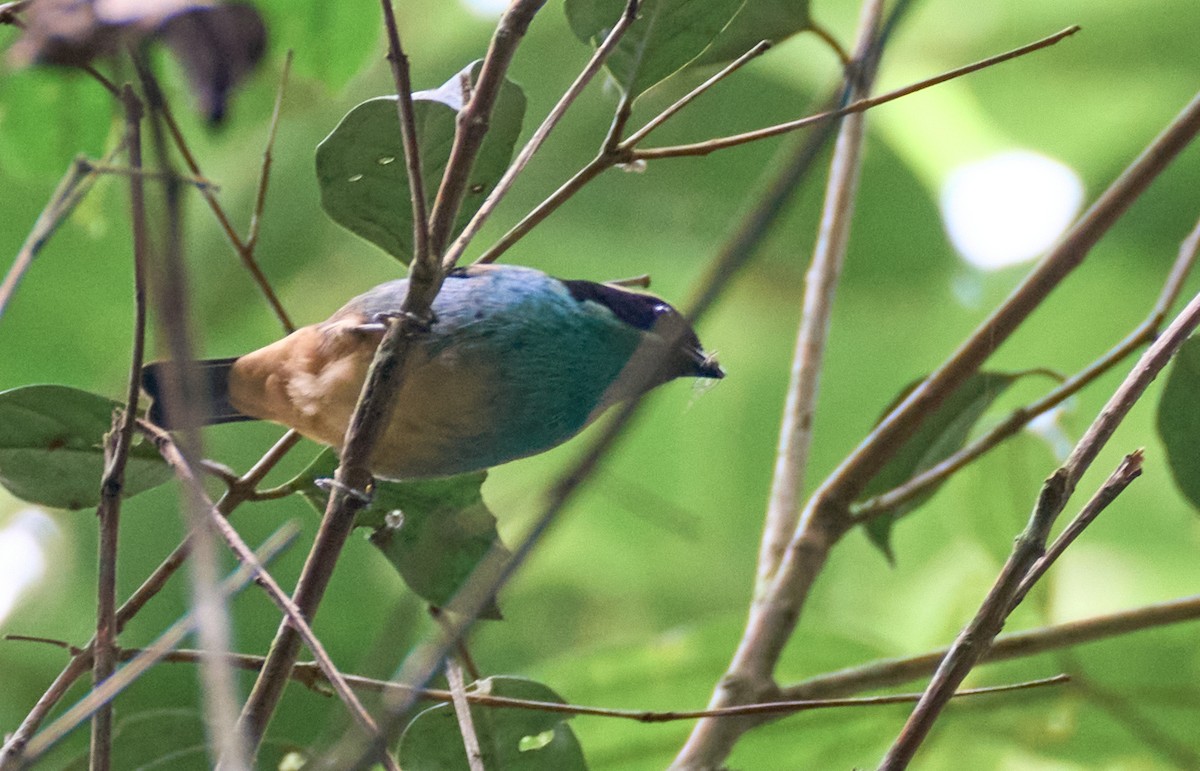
(758,20)
(434,532)
(361,170)
(529,740)
(666,35)
(1179,420)
(941,435)
(52,447)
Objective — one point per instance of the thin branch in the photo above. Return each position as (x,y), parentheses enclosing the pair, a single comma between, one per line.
(75,184)
(636,137)
(116,450)
(309,674)
(408,135)
(888,673)
(79,664)
(1144,333)
(473,120)
(749,676)
(539,136)
(250,242)
(245,249)
(174,458)
(462,711)
(975,638)
(154,174)
(140,664)
(861,105)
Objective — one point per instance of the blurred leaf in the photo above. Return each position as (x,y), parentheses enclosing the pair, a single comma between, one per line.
(47,119)
(1179,420)
(360,165)
(434,532)
(666,35)
(332,42)
(941,435)
(510,739)
(155,740)
(758,20)
(52,447)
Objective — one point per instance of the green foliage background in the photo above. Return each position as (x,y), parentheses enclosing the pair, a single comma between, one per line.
(638,597)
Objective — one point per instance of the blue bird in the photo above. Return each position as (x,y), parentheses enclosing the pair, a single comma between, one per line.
(516,362)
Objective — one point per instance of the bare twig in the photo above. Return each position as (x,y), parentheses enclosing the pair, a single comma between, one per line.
(749,676)
(137,667)
(250,242)
(539,136)
(1000,602)
(408,135)
(861,105)
(462,711)
(117,448)
(756,51)
(74,185)
(1144,333)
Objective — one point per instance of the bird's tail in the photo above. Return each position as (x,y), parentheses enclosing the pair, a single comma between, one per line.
(168,381)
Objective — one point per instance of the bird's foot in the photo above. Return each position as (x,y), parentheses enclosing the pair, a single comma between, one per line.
(329,484)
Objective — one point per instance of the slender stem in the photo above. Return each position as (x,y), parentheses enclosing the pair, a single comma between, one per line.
(473,120)
(539,136)
(749,676)
(140,664)
(1014,580)
(462,711)
(117,449)
(636,137)
(861,105)
(250,242)
(892,672)
(408,134)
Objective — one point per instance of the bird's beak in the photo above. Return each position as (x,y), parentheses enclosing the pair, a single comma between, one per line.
(706,364)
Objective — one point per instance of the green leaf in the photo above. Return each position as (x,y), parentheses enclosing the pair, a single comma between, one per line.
(941,435)
(1179,420)
(332,41)
(773,20)
(52,447)
(510,739)
(361,171)
(666,35)
(434,532)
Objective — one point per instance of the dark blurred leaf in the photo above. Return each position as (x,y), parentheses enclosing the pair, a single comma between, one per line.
(156,740)
(52,447)
(759,20)
(941,435)
(218,47)
(666,35)
(434,532)
(1179,420)
(360,166)
(510,739)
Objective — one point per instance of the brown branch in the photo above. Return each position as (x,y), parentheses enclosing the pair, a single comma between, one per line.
(141,663)
(539,136)
(749,676)
(1144,333)
(116,449)
(860,105)
(250,242)
(1013,582)
(408,135)
(462,711)
(473,120)
(892,672)
(309,674)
